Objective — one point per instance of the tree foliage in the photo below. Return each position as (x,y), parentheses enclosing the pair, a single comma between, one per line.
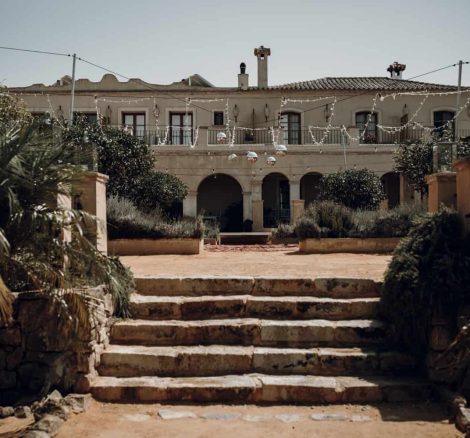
(354,188)
(35,256)
(129,163)
(414,161)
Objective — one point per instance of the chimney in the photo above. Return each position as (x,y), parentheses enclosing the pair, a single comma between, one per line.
(262,54)
(243,77)
(396,70)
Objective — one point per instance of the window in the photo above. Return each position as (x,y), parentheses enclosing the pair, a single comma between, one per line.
(135,122)
(290,125)
(218,118)
(370,135)
(181,131)
(88,117)
(443,123)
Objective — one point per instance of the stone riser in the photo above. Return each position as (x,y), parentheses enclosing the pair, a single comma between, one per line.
(322,287)
(121,361)
(269,333)
(246,306)
(259,389)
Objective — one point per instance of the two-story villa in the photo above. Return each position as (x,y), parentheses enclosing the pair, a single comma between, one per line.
(256,152)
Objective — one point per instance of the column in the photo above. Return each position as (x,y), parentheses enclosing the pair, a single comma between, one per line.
(91,190)
(406,192)
(462,167)
(257,205)
(442,190)
(190,204)
(296,204)
(247,206)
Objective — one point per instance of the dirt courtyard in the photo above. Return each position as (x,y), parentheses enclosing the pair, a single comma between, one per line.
(261,262)
(424,420)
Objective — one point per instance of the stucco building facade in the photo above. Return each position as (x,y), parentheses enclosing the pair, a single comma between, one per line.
(202,133)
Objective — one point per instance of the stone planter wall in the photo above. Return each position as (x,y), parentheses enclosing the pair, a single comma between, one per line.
(349,244)
(122,247)
(41,351)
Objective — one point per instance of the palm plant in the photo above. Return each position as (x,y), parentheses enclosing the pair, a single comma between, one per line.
(43,245)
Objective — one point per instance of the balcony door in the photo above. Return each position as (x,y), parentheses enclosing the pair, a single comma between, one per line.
(181,130)
(444,122)
(135,122)
(370,135)
(290,125)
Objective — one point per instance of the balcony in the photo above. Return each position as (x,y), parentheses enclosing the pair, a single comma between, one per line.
(187,136)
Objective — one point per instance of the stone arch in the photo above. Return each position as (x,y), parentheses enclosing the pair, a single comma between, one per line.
(310,187)
(276,199)
(391,186)
(220,199)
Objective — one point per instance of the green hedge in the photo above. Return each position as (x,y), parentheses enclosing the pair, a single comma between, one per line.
(429,274)
(126,221)
(329,219)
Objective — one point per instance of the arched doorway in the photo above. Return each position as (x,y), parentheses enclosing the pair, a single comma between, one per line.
(310,187)
(391,185)
(276,200)
(220,199)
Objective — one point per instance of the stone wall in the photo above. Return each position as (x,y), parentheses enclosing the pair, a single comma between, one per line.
(42,349)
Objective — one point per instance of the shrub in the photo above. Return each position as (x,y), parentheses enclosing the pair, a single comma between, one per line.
(429,275)
(324,219)
(354,188)
(126,221)
(284,231)
(396,222)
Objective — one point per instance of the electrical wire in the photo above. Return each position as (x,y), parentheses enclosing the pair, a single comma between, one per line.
(43,52)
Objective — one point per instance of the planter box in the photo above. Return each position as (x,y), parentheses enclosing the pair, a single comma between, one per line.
(154,246)
(349,244)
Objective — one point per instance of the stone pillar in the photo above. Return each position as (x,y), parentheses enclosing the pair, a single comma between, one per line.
(298,207)
(441,190)
(203,136)
(406,192)
(462,167)
(190,204)
(294,193)
(353,132)
(91,190)
(247,206)
(64,202)
(258,216)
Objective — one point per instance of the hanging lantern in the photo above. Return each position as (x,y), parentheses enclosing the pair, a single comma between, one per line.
(221,137)
(280,150)
(252,157)
(232,157)
(271,161)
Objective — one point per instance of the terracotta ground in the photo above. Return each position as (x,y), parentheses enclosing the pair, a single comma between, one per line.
(386,421)
(259,260)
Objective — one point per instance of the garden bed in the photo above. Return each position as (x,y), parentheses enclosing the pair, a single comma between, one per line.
(372,245)
(186,246)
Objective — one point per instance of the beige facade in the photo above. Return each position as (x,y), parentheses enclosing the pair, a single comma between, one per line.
(320,121)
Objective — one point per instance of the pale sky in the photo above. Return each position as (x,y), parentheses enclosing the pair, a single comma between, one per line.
(165,41)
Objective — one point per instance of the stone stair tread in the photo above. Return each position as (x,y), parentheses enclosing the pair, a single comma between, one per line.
(230,285)
(354,323)
(260,388)
(235,349)
(157,299)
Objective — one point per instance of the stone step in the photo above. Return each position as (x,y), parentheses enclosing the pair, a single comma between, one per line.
(214,360)
(264,286)
(259,388)
(242,306)
(249,331)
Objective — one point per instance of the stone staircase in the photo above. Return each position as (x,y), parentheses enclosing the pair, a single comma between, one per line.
(254,340)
